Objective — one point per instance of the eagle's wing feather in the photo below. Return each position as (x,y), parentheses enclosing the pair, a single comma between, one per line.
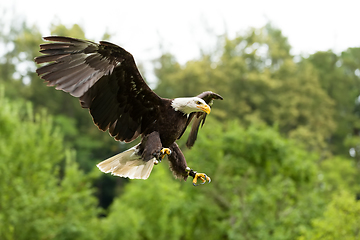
(199,117)
(106,79)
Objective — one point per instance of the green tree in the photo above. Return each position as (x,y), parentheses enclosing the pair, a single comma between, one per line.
(341,220)
(44,195)
(339,76)
(17,74)
(263,187)
(15,63)
(339,174)
(261,82)
(17,70)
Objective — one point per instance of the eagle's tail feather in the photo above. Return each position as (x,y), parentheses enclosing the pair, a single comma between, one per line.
(127,164)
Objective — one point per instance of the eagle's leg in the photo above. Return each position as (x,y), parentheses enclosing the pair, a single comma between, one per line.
(202,176)
(151,148)
(180,169)
(160,156)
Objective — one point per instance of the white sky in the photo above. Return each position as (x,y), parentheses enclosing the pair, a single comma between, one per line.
(182,26)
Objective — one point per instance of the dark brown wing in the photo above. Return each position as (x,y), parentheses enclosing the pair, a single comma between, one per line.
(106,79)
(199,117)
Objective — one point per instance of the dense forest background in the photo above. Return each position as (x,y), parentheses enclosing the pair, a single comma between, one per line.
(282,149)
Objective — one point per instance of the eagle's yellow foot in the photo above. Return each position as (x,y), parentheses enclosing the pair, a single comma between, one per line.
(202,176)
(163,152)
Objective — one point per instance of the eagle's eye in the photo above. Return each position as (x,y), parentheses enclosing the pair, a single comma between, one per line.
(198,102)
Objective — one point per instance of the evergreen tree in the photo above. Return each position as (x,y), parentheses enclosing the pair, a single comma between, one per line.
(44,195)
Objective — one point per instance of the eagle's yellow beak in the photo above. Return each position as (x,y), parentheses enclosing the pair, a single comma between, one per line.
(205,108)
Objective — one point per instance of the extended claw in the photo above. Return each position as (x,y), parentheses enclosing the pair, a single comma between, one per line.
(164,151)
(160,156)
(202,176)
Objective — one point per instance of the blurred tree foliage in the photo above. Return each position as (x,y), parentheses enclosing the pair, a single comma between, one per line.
(339,77)
(263,187)
(276,148)
(22,46)
(341,220)
(261,82)
(260,190)
(44,195)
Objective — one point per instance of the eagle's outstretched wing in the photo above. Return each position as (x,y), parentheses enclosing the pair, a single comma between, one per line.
(199,117)
(106,79)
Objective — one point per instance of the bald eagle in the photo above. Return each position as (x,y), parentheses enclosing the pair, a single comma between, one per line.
(107,81)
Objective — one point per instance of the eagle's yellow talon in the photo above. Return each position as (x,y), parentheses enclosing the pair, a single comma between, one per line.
(163,152)
(202,176)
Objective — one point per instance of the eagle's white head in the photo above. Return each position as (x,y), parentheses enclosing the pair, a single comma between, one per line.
(191,104)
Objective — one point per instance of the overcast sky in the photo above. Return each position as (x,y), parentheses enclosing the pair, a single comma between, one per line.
(182,27)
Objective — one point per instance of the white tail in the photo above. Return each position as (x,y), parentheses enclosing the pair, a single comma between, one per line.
(127,164)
